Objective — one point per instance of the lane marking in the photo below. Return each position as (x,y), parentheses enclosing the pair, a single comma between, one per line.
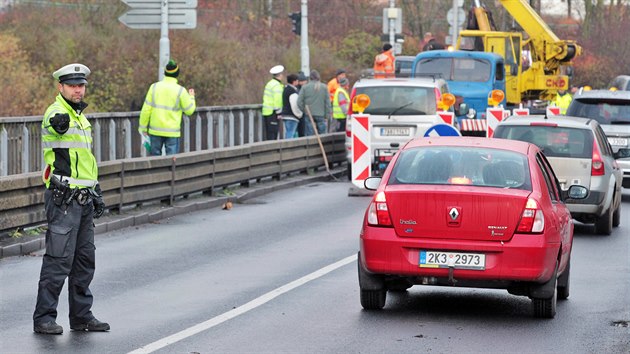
(261,300)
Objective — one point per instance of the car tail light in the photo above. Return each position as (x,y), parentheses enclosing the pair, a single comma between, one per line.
(438,98)
(378,214)
(597,164)
(532,220)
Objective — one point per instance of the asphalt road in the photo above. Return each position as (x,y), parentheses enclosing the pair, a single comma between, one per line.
(278,275)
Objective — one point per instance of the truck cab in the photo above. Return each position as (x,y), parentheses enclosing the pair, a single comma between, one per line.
(471,77)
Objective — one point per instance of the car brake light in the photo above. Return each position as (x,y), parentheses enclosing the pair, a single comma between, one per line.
(532,220)
(597,164)
(378,214)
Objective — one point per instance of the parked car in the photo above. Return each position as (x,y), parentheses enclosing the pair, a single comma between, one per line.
(580,154)
(468,212)
(400,109)
(611,109)
(402,65)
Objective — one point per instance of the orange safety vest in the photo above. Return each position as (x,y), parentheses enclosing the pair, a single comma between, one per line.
(384,65)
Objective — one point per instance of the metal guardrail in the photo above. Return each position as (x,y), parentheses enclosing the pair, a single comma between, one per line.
(134,181)
(116,135)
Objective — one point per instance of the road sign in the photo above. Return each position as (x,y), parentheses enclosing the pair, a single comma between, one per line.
(172,4)
(396,15)
(441,130)
(461,16)
(151,18)
(361,152)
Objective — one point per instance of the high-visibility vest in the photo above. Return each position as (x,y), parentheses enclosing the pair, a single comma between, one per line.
(69,154)
(164,104)
(272,97)
(337,110)
(563,101)
(384,65)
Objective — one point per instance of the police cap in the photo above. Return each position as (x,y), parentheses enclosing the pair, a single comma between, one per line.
(72,74)
(276,70)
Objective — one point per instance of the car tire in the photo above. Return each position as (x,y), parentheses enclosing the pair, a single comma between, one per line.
(617,217)
(546,307)
(564,282)
(604,224)
(373,299)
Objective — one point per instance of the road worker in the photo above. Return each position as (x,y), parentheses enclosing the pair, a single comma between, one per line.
(341,102)
(384,63)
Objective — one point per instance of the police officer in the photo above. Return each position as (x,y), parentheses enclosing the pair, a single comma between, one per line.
(161,115)
(272,102)
(72,199)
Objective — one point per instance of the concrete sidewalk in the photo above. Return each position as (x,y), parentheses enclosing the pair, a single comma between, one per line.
(27,243)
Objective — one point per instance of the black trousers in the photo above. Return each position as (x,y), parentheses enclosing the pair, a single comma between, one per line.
(70,253)
(271,127)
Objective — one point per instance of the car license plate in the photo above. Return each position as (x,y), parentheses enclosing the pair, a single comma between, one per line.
(618,141)
(395,131)
(439,259)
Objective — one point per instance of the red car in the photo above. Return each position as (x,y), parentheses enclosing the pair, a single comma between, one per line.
(468,212)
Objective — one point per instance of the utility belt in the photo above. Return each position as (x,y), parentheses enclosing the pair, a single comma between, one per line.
(63,194)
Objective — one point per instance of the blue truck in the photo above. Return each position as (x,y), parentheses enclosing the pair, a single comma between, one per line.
(471,77)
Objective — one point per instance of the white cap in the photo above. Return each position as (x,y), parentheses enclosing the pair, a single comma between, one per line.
(276,70)
(72,74)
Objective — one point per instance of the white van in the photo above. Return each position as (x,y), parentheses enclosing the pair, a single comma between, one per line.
(400,109)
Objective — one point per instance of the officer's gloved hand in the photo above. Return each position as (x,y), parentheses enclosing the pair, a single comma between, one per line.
(99,204)
(60,122)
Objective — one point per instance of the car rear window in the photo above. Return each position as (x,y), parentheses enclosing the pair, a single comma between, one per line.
(604,111)
(455,69)
(553,141)
(462,166)
(399,100)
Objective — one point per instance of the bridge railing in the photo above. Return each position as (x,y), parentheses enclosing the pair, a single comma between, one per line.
(116,135)
(134,181)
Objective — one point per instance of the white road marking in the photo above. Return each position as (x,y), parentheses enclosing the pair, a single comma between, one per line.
(261,300)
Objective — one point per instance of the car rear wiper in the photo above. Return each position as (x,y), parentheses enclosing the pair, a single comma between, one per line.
(398,109)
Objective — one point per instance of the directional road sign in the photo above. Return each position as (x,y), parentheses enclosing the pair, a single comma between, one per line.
(441,130)
(172,4)
(151,18)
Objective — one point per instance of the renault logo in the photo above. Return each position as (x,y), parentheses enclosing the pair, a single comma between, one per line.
(453,213)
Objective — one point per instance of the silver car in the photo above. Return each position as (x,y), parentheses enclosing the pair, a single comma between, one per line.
(611,109)
(580,154)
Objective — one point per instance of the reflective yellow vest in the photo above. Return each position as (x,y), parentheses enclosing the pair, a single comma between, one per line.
(337,111)
(161,113)
(272,97)
(563,101)
(69,155)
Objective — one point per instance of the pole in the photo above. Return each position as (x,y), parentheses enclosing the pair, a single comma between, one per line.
(164,42)
(455,24)
(304,52)
(392,25)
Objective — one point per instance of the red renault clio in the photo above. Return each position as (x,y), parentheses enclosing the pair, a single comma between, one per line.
(468,212)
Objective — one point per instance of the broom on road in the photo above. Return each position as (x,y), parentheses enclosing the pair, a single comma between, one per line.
(319,141)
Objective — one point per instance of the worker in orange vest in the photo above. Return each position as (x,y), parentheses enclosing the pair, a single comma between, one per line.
(384,63)
(333,84)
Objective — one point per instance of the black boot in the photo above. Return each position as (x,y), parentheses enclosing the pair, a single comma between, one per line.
(48,328)
(93,325)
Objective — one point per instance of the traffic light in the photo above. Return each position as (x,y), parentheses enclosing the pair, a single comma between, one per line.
(296,19)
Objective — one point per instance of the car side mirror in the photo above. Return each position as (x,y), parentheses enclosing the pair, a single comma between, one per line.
(372,183)
(463,109)
(576,192)
(622,154)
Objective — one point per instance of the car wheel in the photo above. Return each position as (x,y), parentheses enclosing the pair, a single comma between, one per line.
(373,299)
(617,216)
(564,282)
(604,224)
(546,307)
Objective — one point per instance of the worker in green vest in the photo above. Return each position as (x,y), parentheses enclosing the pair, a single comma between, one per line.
(563,100)
(272,103)
(341,103)
(72,200)
(161,114)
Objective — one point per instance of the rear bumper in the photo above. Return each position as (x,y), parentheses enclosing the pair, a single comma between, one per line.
(525,258)
(592,205)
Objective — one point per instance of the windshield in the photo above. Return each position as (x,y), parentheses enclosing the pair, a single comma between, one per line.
(405,100)
(604,111)
(553,141)
(462,165)
(455,69)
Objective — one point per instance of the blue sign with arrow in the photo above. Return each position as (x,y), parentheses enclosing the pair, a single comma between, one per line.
(441,130)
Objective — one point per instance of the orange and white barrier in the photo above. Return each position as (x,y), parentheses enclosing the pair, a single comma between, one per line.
(472,125)
(361,153)
(493,117)
(447,117)
(553,111)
